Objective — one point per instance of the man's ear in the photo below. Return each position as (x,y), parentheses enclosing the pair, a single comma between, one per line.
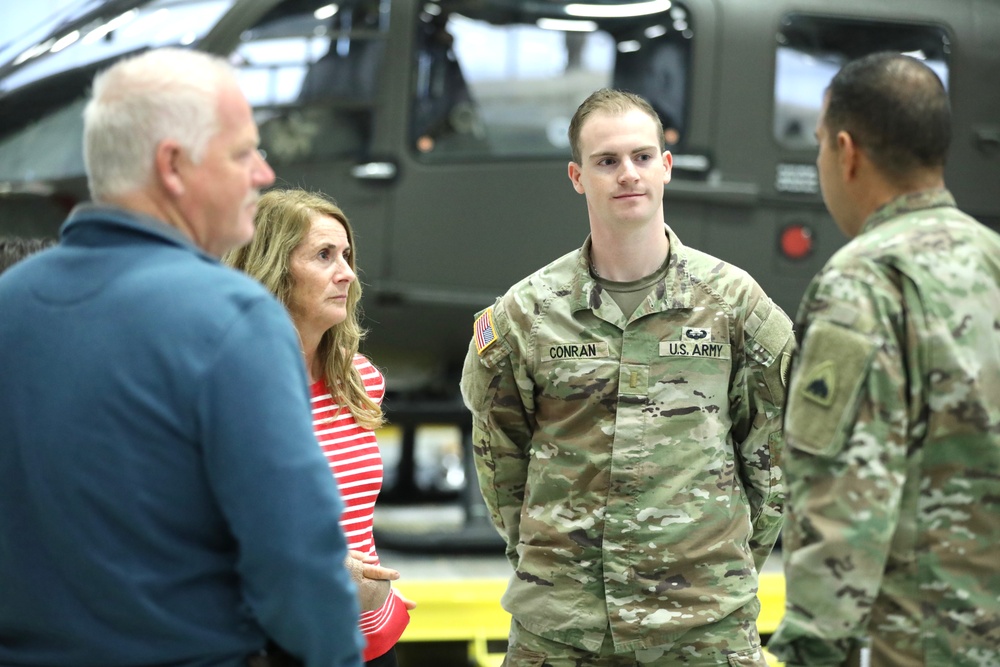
(668,164)
(848,155)
(169,165)
(574,176)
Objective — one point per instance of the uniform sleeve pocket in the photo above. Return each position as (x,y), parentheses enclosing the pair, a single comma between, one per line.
(481,376)
(826,384)
(769,346)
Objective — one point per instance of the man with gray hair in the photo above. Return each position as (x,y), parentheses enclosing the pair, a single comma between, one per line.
(163,499)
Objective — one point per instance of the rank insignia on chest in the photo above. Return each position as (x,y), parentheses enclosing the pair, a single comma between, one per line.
(820,383)
(484,331)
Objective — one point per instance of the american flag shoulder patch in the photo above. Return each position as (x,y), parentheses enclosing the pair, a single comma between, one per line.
(485,334)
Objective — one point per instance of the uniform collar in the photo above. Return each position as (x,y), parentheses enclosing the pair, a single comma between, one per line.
(908,203)
(672,292)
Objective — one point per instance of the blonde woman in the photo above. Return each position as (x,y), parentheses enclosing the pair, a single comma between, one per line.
(303,252)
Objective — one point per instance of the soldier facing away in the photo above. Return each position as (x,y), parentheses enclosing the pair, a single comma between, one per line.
(893,415)
(626,404)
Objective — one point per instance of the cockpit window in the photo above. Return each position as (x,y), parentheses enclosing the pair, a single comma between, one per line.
(811,49)
(502,79)
(310,69)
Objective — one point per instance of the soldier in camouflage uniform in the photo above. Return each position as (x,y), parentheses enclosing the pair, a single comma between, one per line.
(626,404)
(893,415)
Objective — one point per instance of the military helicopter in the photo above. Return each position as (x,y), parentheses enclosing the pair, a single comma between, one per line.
(440,128)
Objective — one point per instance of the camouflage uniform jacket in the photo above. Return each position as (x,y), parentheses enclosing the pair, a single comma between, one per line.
(893,428)
(630,463)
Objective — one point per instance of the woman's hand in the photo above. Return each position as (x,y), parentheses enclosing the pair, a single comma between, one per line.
(372,580)
(369,570)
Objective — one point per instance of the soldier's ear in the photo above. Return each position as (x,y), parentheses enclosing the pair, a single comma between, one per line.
(848,155)
(573,169)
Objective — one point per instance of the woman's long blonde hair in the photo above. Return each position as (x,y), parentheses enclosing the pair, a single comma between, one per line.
(283,219)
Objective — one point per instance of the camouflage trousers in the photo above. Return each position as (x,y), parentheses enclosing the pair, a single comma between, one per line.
(733,641)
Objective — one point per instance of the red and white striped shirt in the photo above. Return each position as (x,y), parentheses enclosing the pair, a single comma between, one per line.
(354,458)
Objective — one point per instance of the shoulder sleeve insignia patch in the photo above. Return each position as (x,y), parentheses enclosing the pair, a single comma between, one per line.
(819,384)
(484,331)
(827,383)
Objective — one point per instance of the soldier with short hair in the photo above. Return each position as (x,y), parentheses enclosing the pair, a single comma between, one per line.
(626,404)
(893,414)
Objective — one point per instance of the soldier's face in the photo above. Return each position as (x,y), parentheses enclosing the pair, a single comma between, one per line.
(623,171)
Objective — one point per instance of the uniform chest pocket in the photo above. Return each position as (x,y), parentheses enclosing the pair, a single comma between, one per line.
(583,371)
(690,380)
(577,379)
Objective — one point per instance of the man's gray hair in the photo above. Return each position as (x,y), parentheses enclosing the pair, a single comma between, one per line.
(140,101)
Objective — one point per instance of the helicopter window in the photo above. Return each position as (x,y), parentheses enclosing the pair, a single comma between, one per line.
(811,49)
(310,68)
(51,72)
(504,79)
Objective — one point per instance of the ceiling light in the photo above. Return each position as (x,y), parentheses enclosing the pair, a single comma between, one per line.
(618,11)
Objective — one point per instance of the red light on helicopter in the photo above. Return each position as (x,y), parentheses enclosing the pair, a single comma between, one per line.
(796,241)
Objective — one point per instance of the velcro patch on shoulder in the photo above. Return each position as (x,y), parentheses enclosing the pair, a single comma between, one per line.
(484,330)
(826,382)
(769,330)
